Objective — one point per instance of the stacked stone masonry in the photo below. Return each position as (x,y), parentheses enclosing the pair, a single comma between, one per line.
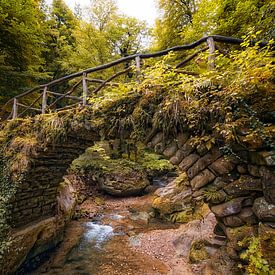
(243,187)
(36,196)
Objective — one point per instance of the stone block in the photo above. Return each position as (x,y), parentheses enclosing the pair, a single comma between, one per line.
(202,163)
(254,170)
(188,162)
(243,186)
(188,148)
(221,166)
(202,179)
(202,150)
(263,158)
(176,160)
(228,208)
(247,216)
(233,221)
(159,148)
(268,181)
(157,139)
(263,210)
(171,150)
(181,139)
(242,168)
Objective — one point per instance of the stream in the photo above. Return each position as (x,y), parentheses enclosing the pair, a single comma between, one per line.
(123,237)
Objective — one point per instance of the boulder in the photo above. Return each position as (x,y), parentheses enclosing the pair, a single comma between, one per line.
(243,186)
(263,210)
(188,162)
(228,208)
(221,166)
(202,179)
(127,183)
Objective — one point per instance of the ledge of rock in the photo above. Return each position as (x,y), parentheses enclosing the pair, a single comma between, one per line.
(32,240)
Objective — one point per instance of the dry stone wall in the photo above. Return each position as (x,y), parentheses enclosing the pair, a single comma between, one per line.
(239,188)
(36,195)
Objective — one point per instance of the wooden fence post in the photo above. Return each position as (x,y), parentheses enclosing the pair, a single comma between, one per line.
(85,89)
(211,58)
(14,109)
(138,66)
(44,100)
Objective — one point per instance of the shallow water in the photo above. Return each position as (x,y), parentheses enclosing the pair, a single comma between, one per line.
(105,244)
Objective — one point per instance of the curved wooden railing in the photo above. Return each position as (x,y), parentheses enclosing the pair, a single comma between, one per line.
(44,90)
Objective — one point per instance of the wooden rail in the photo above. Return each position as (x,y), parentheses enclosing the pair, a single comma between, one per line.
(44,90)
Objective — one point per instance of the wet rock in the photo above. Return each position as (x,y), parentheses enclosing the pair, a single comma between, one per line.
(228,208)
(267,241)
(263,210)
(233,221)
(142,217)
(202,163)
(202,179)
(188,162)
(243,186)
(221,166)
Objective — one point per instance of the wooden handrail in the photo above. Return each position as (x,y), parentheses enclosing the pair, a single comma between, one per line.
(137,57)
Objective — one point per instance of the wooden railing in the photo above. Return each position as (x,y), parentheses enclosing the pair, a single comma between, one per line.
(43,92)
